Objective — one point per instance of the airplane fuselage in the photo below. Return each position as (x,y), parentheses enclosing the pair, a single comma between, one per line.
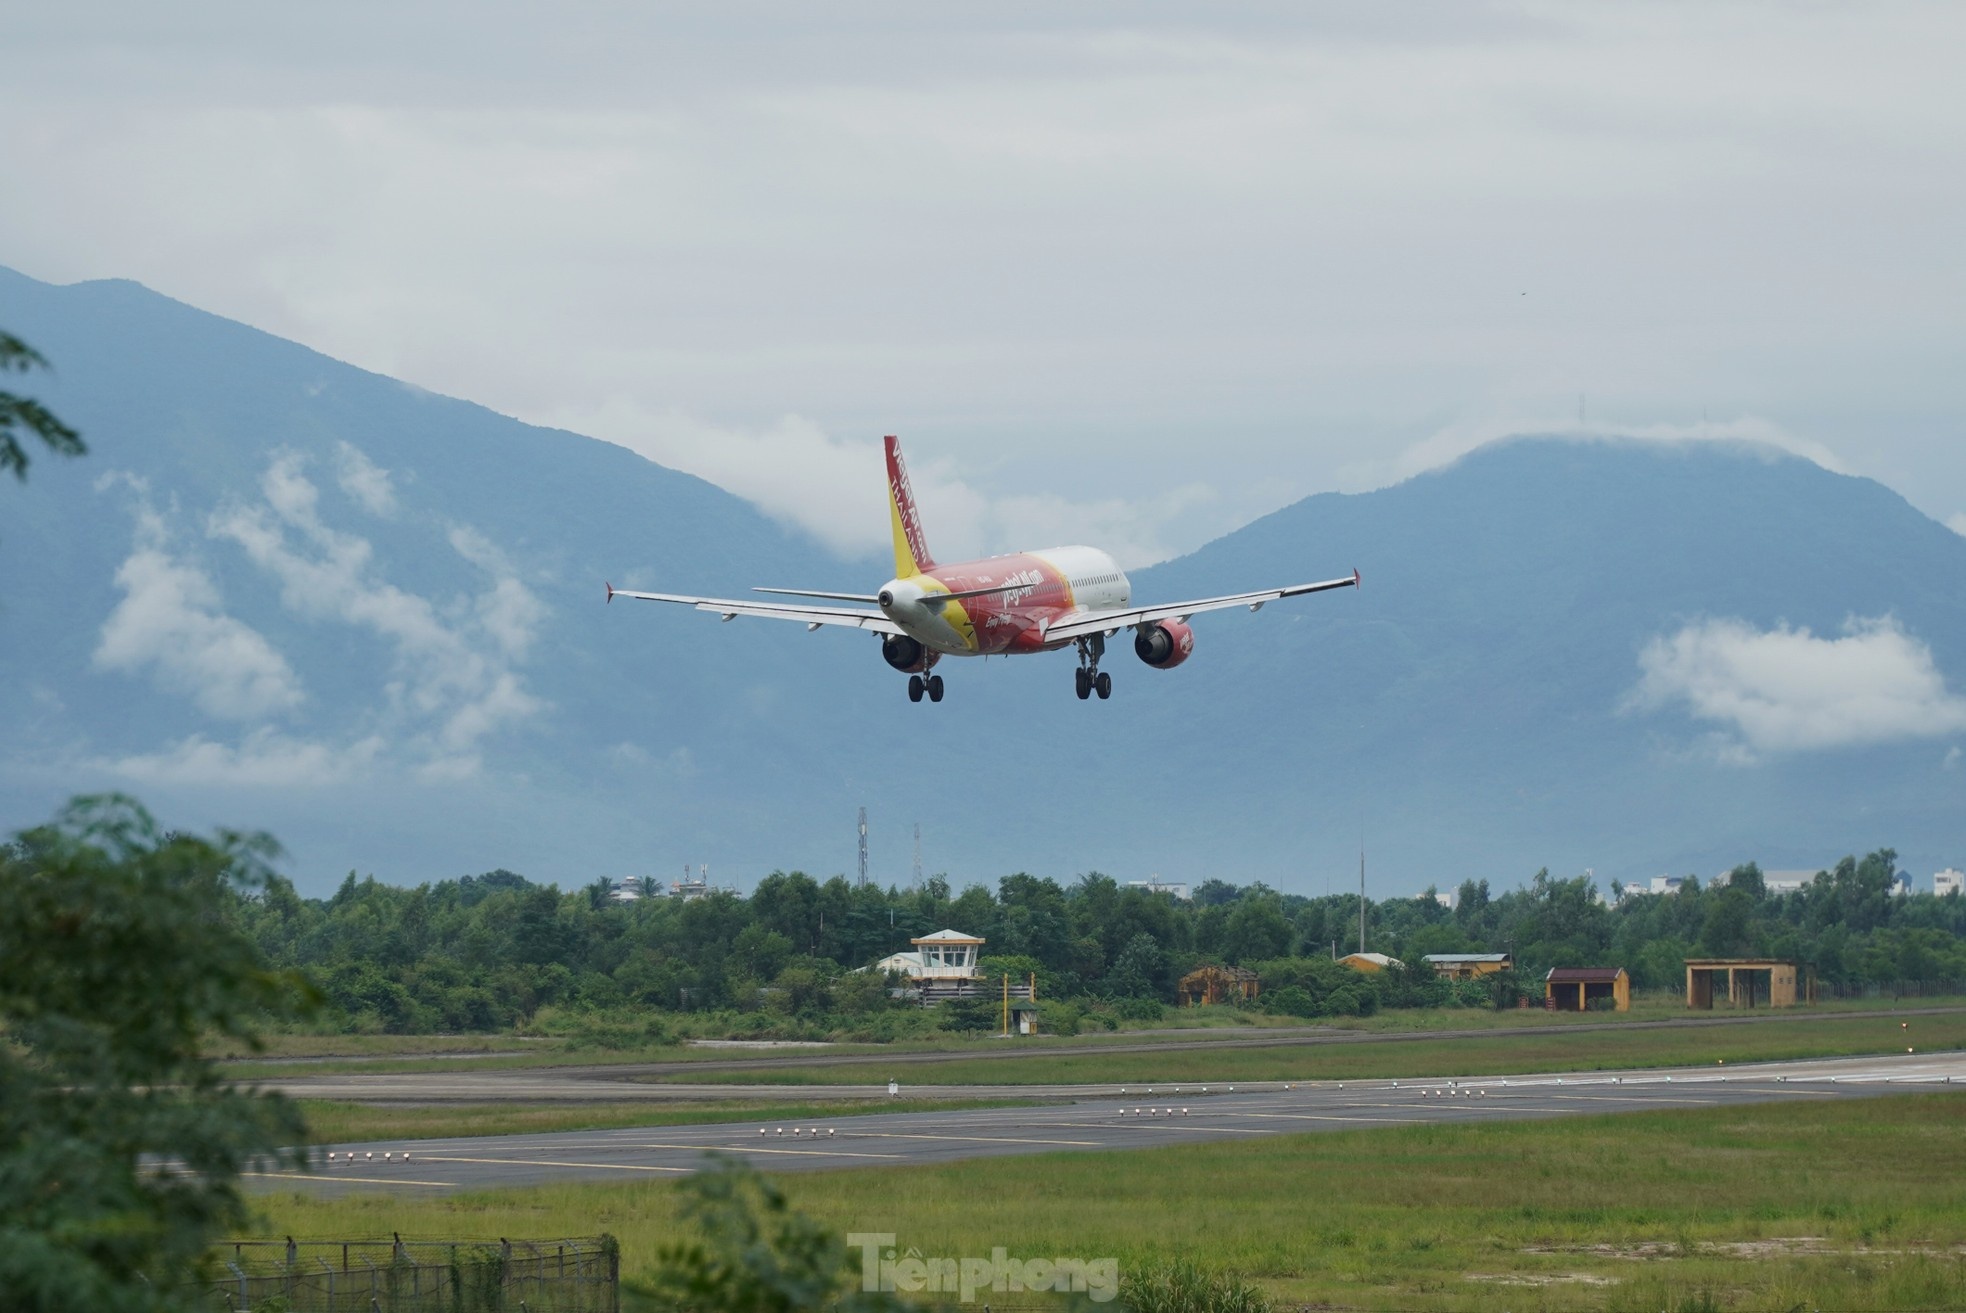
(1045,587)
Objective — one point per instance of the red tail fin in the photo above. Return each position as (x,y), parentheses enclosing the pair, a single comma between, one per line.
(910,546)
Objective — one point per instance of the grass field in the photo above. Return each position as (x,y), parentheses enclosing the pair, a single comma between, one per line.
(289,1055)
(1470,1055)
(1857,1204)
(350,1123)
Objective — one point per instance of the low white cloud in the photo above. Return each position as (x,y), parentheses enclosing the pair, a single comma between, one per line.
(1456,440)
(364,480)
(835,489)
(264,758)
(454,683)
(1785,690)
(172,621)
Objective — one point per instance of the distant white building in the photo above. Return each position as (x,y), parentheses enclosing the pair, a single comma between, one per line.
(1450,899)
(944,955)
(1900,885)
(1666,884)
(1949,881)
(1787,882)
(1153,884)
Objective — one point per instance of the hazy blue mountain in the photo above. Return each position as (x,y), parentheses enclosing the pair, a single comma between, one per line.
(286,593)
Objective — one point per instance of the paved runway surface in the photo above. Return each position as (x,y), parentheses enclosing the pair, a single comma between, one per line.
(671,1080)
(1102,1117)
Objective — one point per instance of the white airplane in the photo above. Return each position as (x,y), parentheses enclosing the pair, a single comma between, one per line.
(1001,606)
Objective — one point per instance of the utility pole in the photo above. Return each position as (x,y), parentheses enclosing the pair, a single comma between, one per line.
(863,845)
(1361,895)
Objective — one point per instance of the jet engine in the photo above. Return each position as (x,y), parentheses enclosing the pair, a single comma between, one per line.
(907,654)
(1164,644)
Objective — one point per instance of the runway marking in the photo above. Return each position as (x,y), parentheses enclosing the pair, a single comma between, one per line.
(1622,1098)
(357,1180)
(977,1139)
(542,1162)
(1217,1130)
(1328,1117)
(740,1146)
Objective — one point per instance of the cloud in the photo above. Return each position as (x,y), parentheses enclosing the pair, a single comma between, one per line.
(171,618)
(453,683)
(1450,443)
(364,480)
(264,758)
(835,488)
(1785,690)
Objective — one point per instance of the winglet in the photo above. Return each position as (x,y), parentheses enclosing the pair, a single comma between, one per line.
(610,592)
(1355,582)
(910,546)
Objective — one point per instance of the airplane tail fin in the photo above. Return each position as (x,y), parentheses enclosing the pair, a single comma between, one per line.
(910,547)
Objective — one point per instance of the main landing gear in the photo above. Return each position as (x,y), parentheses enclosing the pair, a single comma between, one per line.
(918,686)
(1090,678)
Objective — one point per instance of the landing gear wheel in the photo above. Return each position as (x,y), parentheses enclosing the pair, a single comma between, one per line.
(935,688)
(1084,683)
(915,688)
(1104,684)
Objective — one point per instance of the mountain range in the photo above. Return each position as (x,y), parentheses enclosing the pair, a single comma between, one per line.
(282,592)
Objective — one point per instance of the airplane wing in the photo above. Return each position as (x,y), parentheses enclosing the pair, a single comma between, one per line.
(812,617)
(1099,622)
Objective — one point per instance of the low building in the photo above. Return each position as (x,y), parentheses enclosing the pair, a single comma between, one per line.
(1369,961)
(945,966)
(1750,981)
(1209,985)
(1574,989)
(1024,1017)
(1468,966)
(1949,881)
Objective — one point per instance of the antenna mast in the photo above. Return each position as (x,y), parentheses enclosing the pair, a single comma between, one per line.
(918,854)
(1361,894)
(863,845)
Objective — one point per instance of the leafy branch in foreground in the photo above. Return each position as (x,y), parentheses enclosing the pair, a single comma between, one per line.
(26,413)
(120,1147)
(755,1254)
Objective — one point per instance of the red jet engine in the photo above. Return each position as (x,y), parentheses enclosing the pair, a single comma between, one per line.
(1164,644)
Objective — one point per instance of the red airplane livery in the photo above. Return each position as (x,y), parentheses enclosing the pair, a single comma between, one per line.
(1002,606)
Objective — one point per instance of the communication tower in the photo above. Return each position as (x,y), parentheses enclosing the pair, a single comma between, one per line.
(918,854)
(863,845)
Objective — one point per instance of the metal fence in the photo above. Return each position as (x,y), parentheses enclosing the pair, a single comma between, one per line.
(418,1276)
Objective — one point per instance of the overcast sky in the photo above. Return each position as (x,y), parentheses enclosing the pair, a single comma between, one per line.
(1128,274)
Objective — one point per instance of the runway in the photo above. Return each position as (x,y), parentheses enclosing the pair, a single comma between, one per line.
(670,1081)
(1101,1117)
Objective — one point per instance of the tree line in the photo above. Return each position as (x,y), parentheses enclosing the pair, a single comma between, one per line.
(491,951)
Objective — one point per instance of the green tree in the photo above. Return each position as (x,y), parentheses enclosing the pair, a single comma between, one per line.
(753,1254)
(120,1147)
(19,414)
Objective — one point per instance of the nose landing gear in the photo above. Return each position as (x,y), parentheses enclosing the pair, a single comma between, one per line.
(1090,678)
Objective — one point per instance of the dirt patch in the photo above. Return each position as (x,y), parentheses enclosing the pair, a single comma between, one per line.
(1540,1279)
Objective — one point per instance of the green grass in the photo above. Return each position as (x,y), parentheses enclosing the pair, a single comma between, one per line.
(1470,1055)
(331,1122)
(346,1054)
(1857,1204)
